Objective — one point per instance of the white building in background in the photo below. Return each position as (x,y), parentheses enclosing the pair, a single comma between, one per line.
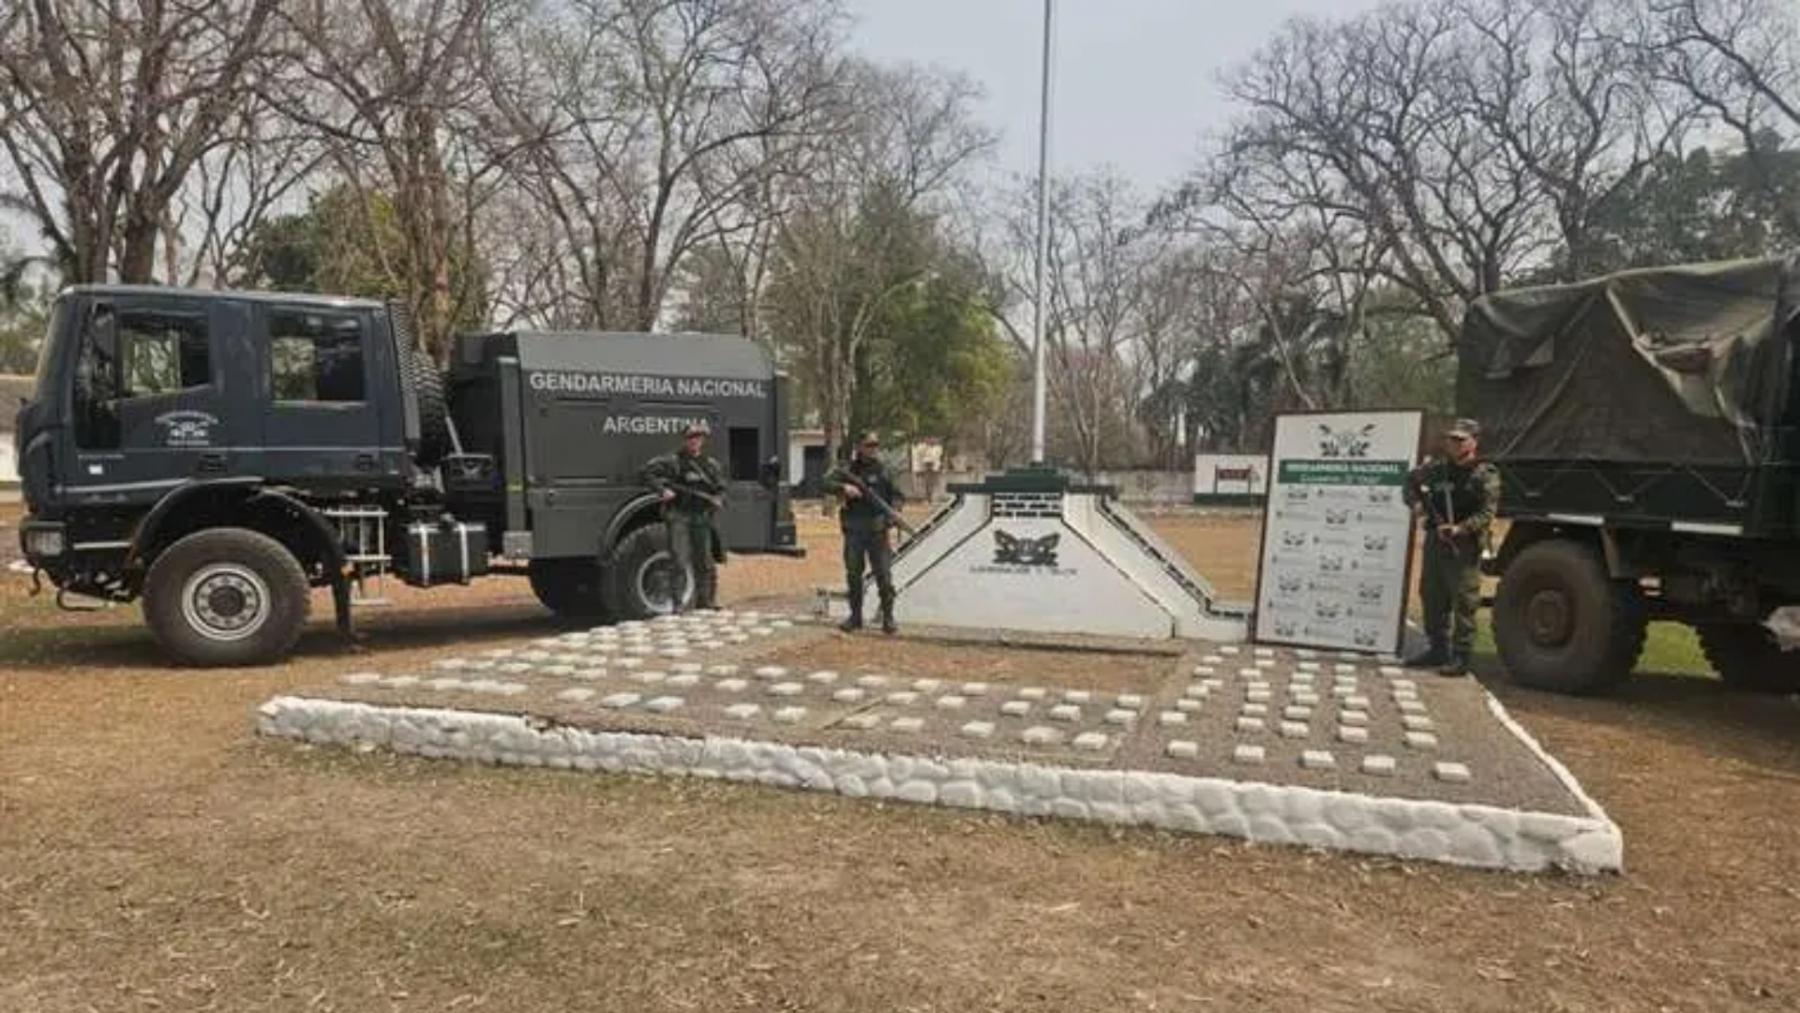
(13,392)
(806,463)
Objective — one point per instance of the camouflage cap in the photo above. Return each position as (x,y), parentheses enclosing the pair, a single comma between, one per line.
(1464,427)
(695,429)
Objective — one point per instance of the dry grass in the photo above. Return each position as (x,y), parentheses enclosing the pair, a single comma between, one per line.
(153,855)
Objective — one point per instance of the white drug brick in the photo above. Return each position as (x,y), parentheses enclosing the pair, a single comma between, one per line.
(620,701)
(1308,666)
(1305,652)
(1257,695)
(1120,716)
(1249,724)
(1293,730)
(1184,749)
(861,722)
(1352,733)
(1033,693)
(1130,701)
(951,703)
(1188,705)
(978,729)
(789,715)
(1197,691)
(1040,735)
(1454,773)
(1402,684)
(1411,707)
(1378,765)
(1417,723)
(1264,652)
(786,689)
(1317,759)
(1305,698)
(927,685)
(1297,713)
(908,724)
(663,704)
(732,685)
(822,678)
(1213,659)
(1248,754)
(1205,670)
(1230,650)
(1255,710)
(742,711)
(1421,740)
(688,668)
(1392,670)
(902,697)
(771,672)
(1065,712)
(1092,742)
(360,678)
(576,695)
(1016,708)
(871,681)
(974,689)
(1077,696)
(682,681)
(1250,672)
(1350,717)
(1360,703)
(850,694)
(1167,718)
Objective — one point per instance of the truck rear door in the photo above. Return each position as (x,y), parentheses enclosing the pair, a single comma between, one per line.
(320,394)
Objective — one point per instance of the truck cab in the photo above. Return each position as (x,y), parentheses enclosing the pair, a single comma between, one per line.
(219,454)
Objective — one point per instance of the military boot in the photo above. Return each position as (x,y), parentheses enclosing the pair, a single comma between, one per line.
(887,615)
(855,620)
(1436,656)
(706,596)
(1456,665)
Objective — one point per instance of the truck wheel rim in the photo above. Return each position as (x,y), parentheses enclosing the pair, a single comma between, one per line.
(1549,618)
(661,582)
(225,601)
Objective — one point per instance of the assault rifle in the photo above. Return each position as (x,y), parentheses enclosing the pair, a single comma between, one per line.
(880,504)
(717,502)
(1438,513)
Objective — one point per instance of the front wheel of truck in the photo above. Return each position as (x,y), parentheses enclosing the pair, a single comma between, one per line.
(1562,623)
(226,596)
(1748,658)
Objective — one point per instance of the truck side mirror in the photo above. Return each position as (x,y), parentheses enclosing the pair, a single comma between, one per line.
(770,473)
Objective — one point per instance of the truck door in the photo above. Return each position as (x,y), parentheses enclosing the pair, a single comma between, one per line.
(321,412)
(746,524)
(157,395)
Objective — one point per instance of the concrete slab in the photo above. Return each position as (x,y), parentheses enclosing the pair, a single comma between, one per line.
(1481,792)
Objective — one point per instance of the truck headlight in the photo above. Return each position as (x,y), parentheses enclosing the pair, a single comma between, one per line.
(44,542)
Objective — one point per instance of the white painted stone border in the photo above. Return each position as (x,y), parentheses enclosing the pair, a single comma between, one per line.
(1471,835)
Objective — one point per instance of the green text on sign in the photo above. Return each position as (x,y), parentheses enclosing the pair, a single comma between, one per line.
(1328,472)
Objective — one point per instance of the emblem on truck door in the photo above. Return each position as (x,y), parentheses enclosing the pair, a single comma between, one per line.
(187,428)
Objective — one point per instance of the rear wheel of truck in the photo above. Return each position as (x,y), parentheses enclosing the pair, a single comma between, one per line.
(644,579)
(1747,657)
(571,588)
(226,596)
(1562,623)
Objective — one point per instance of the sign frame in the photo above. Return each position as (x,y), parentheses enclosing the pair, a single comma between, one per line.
(1415,418)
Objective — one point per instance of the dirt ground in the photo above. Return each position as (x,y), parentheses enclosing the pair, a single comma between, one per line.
(153,855)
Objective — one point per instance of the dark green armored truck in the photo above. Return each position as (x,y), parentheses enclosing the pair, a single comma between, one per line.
(218,454)
(1647,430)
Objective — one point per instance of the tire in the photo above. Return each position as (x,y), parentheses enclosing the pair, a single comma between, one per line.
(1562,623)
(571,588)
(226,596)
(1747,658)
(639,575)
(427,384)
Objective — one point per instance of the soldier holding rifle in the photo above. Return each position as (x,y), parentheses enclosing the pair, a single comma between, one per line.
(1457,496)
(871,507)
(692,488)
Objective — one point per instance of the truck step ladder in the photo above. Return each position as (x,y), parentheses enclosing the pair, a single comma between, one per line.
(363,532)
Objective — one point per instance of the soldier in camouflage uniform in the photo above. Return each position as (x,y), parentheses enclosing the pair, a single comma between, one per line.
(1457,497)
(692,487)
(866,528)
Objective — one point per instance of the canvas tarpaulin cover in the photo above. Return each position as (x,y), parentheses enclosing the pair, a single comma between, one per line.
(1684,364)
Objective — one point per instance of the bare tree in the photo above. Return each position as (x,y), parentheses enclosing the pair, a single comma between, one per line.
(394,90)
(1740,61)
(108,107)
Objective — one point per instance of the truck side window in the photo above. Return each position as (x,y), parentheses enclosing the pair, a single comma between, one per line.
(315,355)
(162,353)
(746,458)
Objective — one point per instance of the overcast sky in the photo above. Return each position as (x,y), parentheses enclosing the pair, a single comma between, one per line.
(1136,81)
